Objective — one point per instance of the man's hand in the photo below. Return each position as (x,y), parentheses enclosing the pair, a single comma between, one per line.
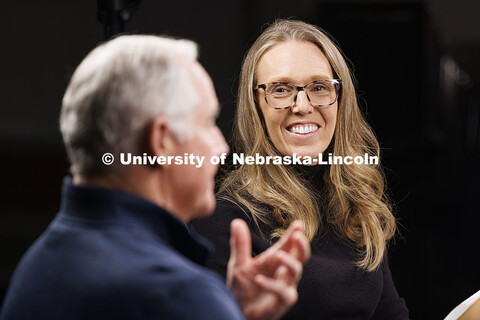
(266,286)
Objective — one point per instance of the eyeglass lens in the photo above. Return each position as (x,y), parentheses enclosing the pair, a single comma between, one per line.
(282,95)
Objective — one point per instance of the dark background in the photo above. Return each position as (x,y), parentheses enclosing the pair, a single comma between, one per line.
(418,70)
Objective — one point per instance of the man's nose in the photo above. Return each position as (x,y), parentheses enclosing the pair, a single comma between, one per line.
(302,104)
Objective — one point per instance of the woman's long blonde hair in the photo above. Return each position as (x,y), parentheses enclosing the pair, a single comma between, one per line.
(355,203)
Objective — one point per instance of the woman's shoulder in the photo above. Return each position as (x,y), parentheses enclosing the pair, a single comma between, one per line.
(228,206)
(227,210)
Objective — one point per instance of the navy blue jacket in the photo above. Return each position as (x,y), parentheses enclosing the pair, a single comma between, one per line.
(113,255)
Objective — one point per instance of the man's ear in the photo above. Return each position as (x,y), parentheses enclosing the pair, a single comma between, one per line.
(161,141)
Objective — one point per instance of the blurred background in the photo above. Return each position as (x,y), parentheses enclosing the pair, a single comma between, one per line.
(418,70)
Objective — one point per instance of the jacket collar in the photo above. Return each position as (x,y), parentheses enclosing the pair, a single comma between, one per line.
(119,208)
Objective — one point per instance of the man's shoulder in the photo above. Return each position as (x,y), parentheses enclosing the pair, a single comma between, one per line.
(174,275)
(175,287)
(134,277)
(202,297)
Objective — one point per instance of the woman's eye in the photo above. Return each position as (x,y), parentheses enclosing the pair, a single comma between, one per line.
(281,89)
(319,87)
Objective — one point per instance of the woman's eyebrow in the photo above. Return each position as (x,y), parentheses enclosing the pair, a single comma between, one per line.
(295,81)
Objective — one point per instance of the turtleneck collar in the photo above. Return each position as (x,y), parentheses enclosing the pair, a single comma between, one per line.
(312,174)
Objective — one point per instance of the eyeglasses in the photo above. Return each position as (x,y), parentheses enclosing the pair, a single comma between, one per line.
(283,95)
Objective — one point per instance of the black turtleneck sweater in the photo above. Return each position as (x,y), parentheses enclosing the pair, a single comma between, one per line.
(332,287)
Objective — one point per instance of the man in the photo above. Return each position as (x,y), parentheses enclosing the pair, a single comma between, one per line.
(119,248)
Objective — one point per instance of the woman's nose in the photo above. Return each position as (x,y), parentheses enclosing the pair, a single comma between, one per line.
(302,104)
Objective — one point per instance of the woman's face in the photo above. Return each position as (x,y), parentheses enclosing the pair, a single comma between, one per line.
(302,129)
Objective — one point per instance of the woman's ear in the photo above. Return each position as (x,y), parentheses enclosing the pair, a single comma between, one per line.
(160,140)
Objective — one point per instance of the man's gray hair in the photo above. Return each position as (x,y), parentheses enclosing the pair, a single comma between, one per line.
(117,90)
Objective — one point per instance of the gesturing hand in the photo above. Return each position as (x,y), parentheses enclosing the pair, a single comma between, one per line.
(266,286)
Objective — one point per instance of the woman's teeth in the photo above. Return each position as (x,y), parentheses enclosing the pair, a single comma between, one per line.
(303,129)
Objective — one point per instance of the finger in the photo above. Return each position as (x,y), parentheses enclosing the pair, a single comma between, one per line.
(287,294)
(240,242)
(294,241)
(300,247)
(296,225)
(281,273)
(288,268)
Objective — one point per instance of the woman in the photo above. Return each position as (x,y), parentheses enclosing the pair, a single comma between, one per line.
(296,97)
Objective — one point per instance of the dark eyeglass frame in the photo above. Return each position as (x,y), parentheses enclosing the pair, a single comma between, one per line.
(336,82)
